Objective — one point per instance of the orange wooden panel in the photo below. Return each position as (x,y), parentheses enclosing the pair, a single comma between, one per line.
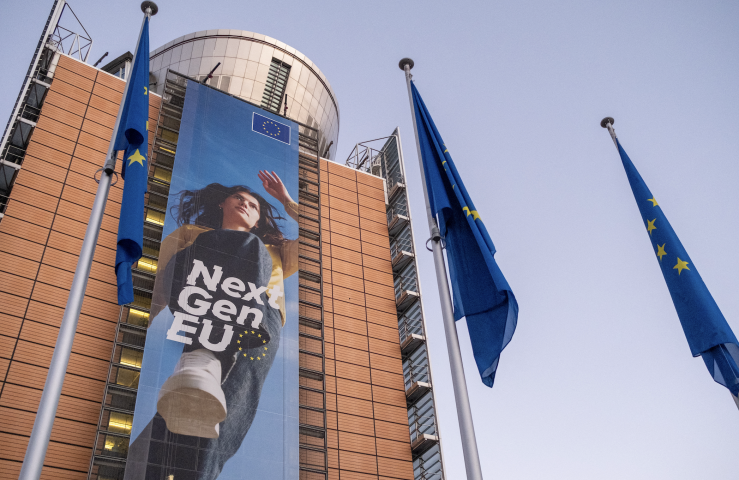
(375,239)
(342,217)
(19,422)
(101,90)
(357,462)
(46,169)
(347,268)
(61,115)
(29,213)
(10,470)
(341,170)
(68,457)
(90,326)
(354,406)
(23,229)
(86,199)
(382,253)
(343,229)
(388,396)
(348,281)
(26,398)
(352,325)
(103,105)
(7,345)
(111,82)
(103,273)
(381,347)
(367,225)
(100,117)
(347,475)
(346,254)
(372,203)
(352,372)
(49,155)
(377,263)
(343,206)
(38,182)
(15,285)
(395,468)
(100,131)
(379,290)
(396,450)
(350,340)
(343,194)
(378,216)
(61,101)
(392,431)
(13,305)
(388,364)
(20,247)
(339,181)
(391,413)
(346,295)
(382,318)
(376,276)
(351,355)
(346,242)
(349,310)
(356,443)
(387,380)
(389,334)
(34,376)
(371,180)
(4,367)
(11,325)
(38,199)
(355,424)
(80,68)
(332,457)
(93,142)
(371,192)
(82,214)
(350,388)
(59,129)
(386,305)
(68,90)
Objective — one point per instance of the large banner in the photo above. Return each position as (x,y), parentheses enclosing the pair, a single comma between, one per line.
(218,394)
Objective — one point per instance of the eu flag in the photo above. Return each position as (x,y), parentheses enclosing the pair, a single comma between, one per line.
(271,128)
(133,137)
(480,291)
(705,327)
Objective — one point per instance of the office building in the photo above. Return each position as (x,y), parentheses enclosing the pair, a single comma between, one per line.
(366,396)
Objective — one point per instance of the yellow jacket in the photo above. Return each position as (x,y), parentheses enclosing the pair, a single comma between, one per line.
(284,259)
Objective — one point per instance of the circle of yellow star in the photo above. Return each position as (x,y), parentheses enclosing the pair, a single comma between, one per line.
(681,265)
(650,226)
(661,251)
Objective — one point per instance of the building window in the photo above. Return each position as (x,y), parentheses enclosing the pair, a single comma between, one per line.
(274,90)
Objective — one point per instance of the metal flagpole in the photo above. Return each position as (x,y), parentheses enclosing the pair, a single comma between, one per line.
(464,413)
(608,123)
(41,433)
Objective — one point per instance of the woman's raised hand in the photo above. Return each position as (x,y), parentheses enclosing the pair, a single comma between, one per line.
(274,186)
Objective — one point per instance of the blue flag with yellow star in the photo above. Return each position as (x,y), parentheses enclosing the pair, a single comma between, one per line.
(480,291)
(133,137)
(705,327)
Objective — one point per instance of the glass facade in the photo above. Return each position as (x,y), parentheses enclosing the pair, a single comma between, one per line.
(250,68)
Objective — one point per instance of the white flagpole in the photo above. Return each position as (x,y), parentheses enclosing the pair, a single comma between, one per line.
(464,412)
(39,442)
(608,123)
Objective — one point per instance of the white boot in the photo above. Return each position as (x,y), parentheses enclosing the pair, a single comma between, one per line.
(191,401)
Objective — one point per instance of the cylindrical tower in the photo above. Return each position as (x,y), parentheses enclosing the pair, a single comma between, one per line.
(259,69)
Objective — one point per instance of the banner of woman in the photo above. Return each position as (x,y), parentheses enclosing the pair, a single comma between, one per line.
(218,393)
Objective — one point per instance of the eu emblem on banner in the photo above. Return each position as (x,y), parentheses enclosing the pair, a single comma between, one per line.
(271,128)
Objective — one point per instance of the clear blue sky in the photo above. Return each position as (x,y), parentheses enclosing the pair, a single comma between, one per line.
(598,381)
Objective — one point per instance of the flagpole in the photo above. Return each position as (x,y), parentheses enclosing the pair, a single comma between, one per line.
(608,123)
(464,412)
(33,462)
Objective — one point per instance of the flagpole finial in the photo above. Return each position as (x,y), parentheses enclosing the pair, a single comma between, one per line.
(604,123)
(150,6)
(404,62)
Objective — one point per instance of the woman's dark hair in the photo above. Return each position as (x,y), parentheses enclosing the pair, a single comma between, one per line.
(201,207)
